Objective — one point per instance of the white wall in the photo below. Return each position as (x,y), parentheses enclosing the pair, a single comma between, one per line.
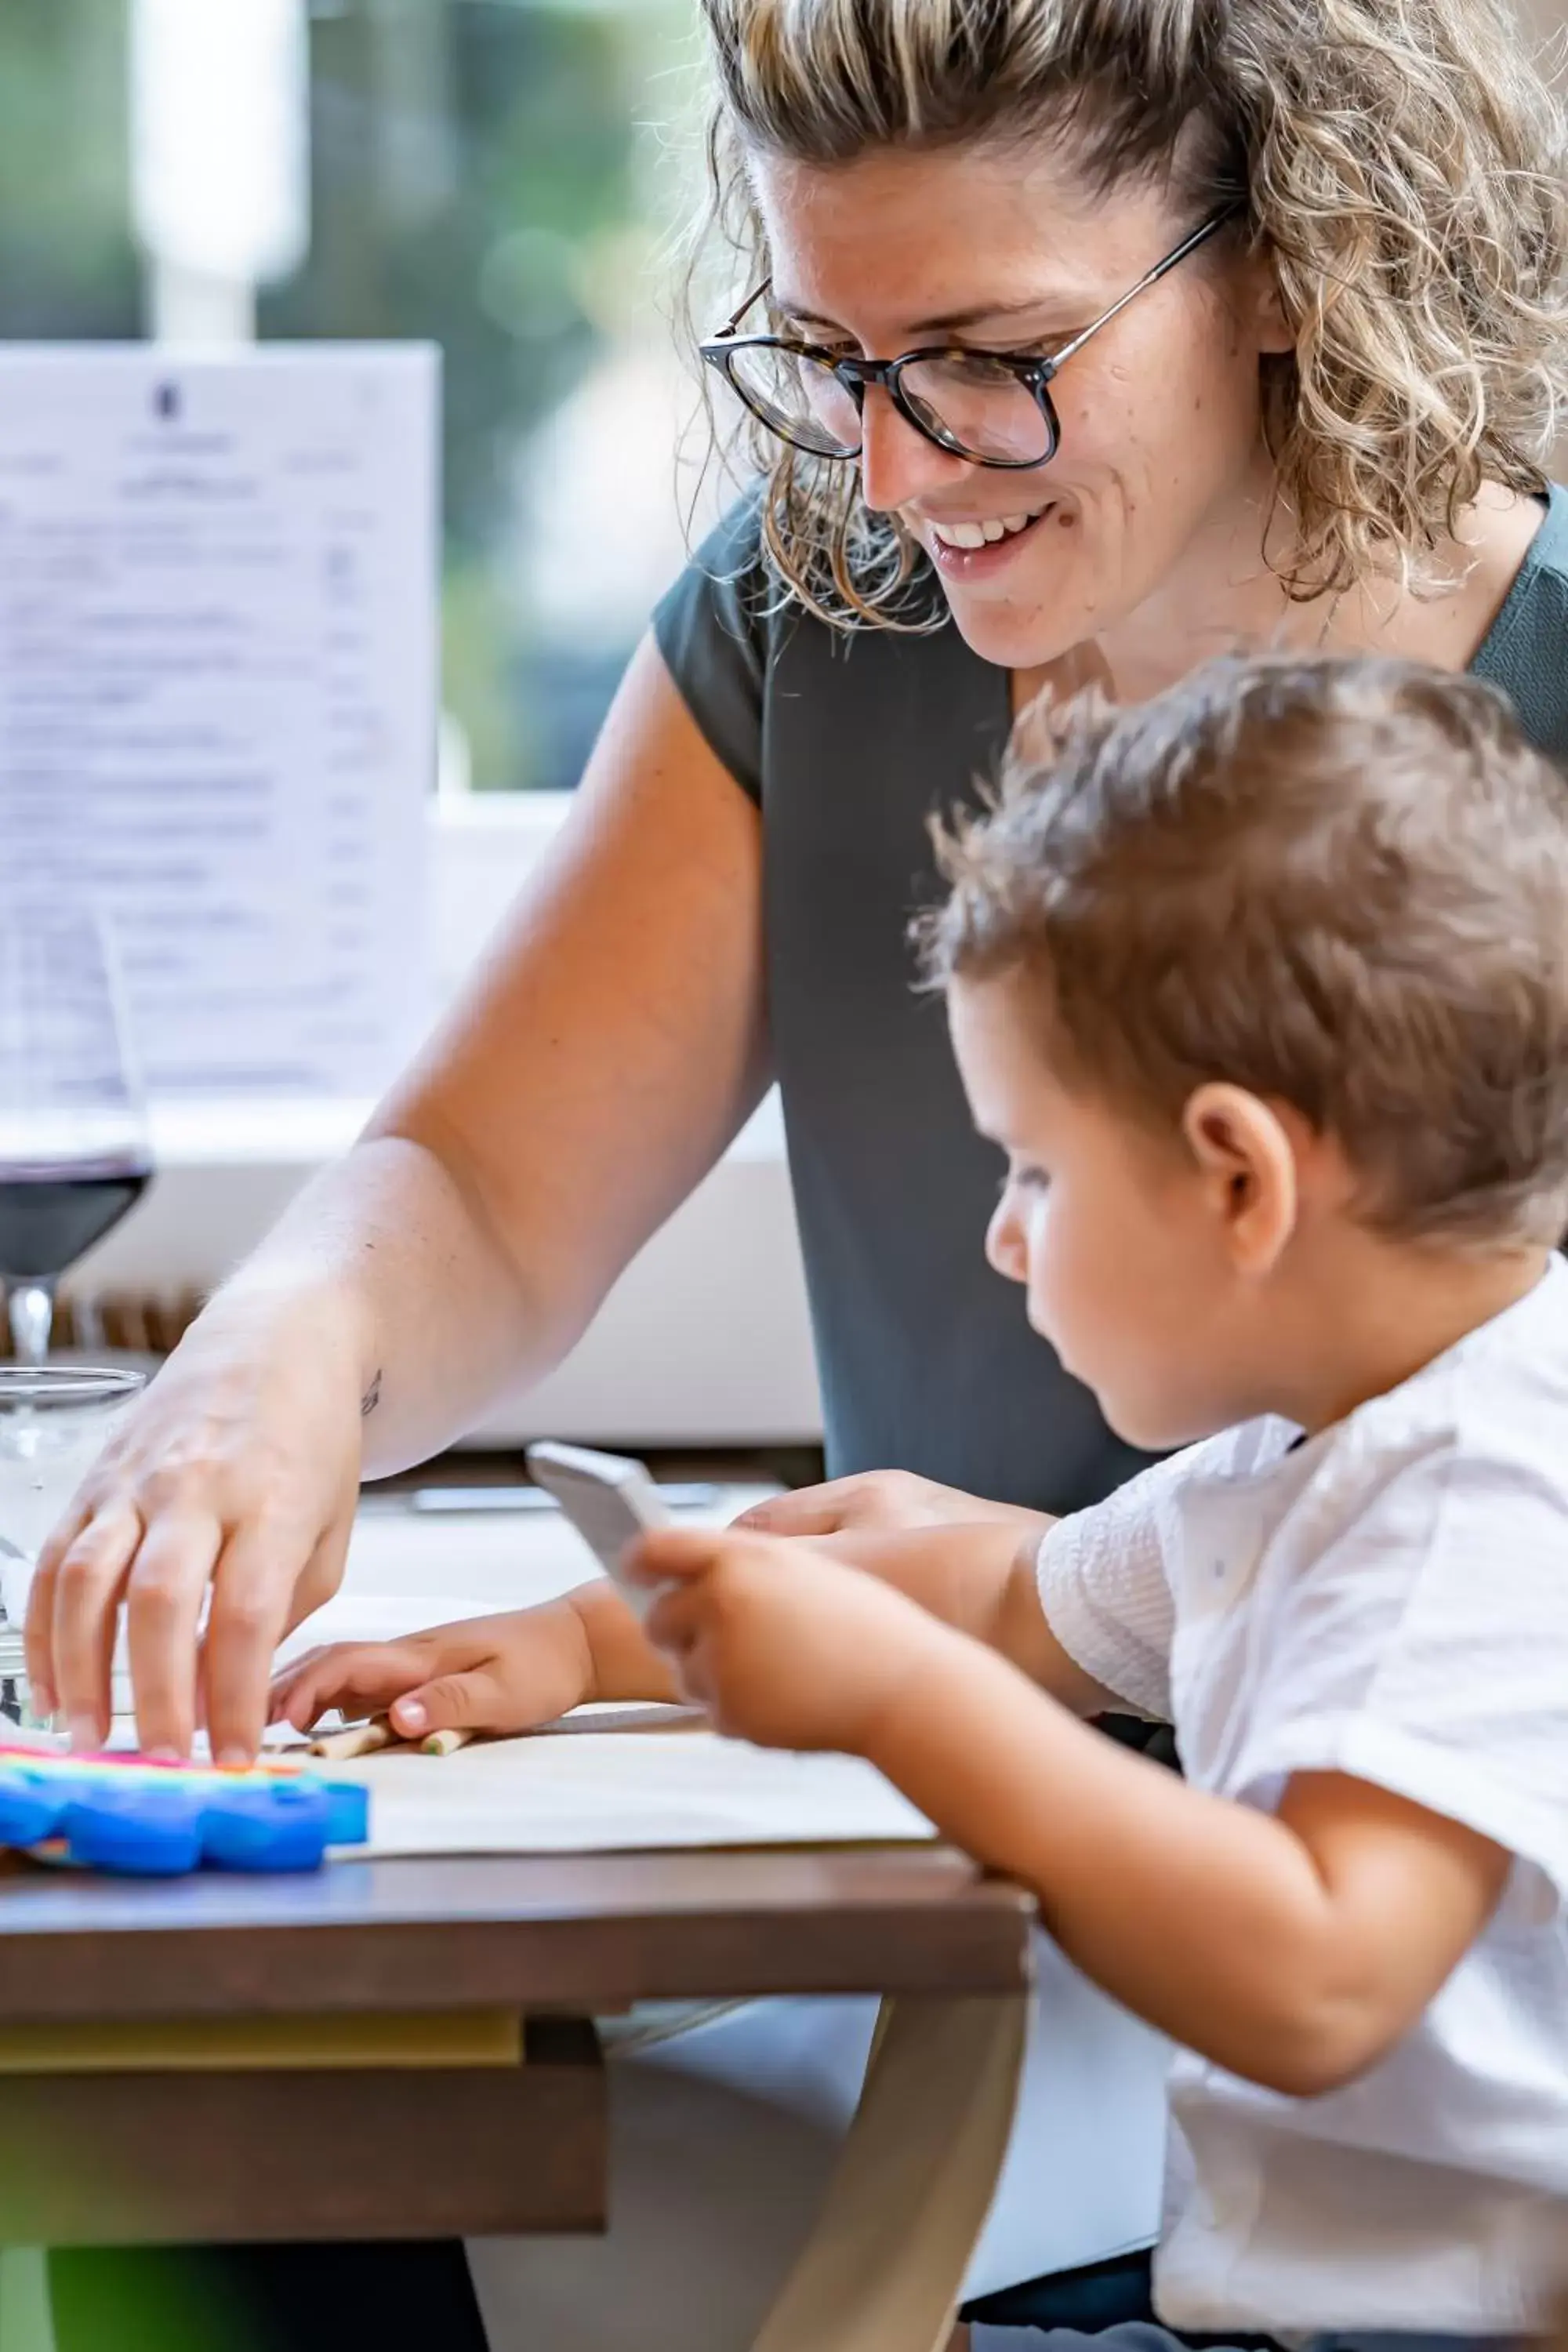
(704,1341)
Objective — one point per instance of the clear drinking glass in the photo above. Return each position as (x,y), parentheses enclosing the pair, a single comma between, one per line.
(74,1154)
(55,1419)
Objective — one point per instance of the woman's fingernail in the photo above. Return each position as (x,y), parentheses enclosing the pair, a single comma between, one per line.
(83,1733)
(409,1715)
(233,1758)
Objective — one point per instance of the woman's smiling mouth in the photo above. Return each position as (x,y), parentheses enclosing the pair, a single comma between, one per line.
(981,543)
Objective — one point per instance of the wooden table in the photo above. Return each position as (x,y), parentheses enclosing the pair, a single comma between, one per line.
(201,2156)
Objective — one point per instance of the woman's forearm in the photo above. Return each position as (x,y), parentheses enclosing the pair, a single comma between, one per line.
(384,1251)
(604,1051)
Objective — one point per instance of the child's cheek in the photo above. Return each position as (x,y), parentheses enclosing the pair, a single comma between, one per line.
(1050,1268)
(1067,1284)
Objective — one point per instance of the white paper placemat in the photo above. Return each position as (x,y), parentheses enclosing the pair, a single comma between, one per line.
(626,1791)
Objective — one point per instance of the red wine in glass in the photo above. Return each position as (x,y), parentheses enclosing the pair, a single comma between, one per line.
(51,1215)
(74,1156)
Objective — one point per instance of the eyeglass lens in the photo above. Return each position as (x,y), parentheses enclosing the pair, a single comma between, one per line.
(963,399)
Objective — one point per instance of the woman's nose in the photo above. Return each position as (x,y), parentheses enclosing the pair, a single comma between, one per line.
(898,464)
(1005,1248)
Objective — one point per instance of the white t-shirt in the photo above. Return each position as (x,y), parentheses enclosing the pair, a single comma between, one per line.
(1390,1600)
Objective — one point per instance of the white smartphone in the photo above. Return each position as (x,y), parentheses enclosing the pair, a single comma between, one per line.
(609,1499)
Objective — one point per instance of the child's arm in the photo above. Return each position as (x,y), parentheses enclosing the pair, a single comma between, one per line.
(979,1578)
(1293,1948)
(880,1502)
(511,1672)
(506,1672)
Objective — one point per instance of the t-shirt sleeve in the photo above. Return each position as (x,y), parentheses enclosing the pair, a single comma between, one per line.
(1427,1651)
(1522,651)
(1105,1590)
(711,628)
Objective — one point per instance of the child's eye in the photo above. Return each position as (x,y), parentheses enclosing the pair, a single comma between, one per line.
(1026,1180)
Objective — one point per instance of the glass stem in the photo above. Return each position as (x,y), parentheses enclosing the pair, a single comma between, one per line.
(31,1308)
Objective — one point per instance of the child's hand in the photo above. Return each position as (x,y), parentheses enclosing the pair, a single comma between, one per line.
(880,1502)
(783,1645)
(488,1673)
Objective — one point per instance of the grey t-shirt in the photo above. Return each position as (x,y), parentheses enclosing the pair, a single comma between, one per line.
(848,743)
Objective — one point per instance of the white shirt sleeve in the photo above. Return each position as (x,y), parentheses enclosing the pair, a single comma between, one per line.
(1426,1650)
(1104,1586)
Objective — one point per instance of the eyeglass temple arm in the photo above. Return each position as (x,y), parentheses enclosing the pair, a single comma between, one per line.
(752,298)
(1205,230)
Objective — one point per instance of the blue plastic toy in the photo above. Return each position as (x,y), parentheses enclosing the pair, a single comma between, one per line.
(126,1814)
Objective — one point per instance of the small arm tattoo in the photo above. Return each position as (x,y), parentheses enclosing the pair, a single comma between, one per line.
(371,1399)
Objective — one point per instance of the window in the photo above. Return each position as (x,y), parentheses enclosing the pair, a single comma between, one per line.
(499,176)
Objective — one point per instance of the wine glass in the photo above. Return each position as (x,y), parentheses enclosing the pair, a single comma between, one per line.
(74,1153)
(55,1421)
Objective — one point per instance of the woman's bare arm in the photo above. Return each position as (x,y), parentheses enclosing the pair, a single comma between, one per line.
(609,1050)
(612,1044)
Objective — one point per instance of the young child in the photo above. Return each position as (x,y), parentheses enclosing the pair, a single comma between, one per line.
(1262,990)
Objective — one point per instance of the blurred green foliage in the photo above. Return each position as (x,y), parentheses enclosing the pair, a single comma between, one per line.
(67,264)
(470,161)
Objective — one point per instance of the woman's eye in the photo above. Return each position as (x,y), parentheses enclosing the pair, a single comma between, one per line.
(794,335)
(1034,347)
(981,367)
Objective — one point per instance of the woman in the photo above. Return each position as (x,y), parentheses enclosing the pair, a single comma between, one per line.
(1085,337)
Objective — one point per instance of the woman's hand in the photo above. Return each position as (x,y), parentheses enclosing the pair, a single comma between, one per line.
(879,1500)
(238,1468)
(503,1673)
(782,1645)
(449,1257)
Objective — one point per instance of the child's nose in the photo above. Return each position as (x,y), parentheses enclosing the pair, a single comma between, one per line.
(1004,1245)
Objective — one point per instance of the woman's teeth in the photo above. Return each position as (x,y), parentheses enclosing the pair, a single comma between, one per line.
(983,534)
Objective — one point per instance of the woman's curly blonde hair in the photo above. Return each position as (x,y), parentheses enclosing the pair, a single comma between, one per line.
(1402,160)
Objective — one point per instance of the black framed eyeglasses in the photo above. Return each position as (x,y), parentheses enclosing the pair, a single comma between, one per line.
(993,408)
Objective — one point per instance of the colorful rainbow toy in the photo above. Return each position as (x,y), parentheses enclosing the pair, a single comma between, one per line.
(137,1815)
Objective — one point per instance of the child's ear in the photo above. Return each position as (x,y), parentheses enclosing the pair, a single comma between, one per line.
(1248,1165)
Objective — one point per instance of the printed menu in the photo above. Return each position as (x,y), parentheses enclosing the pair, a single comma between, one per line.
(218,692)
